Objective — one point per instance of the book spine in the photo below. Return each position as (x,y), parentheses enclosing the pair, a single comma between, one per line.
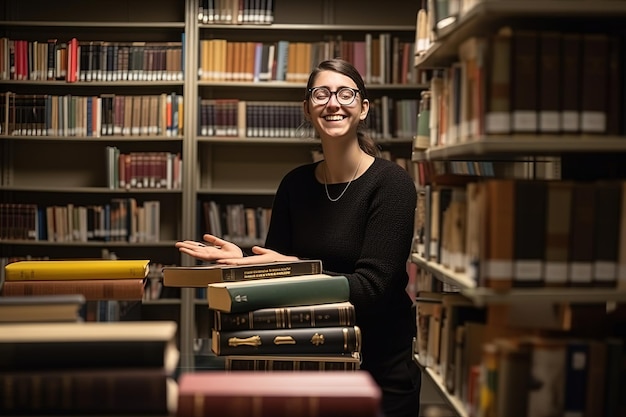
(317,315)
(346,339)
(117,289)
(284,363)
(104,391)
(279,293)
(76,270)
(268,271)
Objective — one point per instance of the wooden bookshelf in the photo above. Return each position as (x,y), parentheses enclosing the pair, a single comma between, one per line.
(583,157)
(59,169)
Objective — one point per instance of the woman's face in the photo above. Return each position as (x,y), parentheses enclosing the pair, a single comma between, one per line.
(334,119)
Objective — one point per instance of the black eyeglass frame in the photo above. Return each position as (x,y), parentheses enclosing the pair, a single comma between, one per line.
(354,90)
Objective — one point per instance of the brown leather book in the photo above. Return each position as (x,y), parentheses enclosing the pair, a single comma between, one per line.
(549,82)
(594,83)
(91,289)
(497,262)
(524,81)
(571,55)
(529,233)
(608,197)
(558,209)
(582,235)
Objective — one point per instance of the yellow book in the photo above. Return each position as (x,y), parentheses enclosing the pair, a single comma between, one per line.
(77,269)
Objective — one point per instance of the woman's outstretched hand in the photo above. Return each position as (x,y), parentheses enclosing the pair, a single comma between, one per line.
(213,249)
(261,255)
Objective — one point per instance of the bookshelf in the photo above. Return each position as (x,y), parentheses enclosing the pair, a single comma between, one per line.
(69,165)
(520,311)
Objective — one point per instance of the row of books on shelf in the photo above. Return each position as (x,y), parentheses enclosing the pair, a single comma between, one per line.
(122,220)
(515,369)
(91,116)
(428,172)
(526,82)
(143,169)
(503,233)
(65,368)
(86,61)
(244,12)
(388,118)
(380,58)
(236,222)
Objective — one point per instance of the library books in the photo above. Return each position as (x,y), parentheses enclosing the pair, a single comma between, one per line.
(312,315)
(278,394)
(201,276)
(90,289)
(77,269)
(88,368)
(149,391)
(291,362)
(238,296)
(313,340)
(41,346)
(47,308)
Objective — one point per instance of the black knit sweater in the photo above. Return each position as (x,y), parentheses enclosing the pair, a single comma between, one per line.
(365,235)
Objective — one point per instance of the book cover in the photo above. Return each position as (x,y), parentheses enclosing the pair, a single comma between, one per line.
(48,308)
(201,276)
(546,394)
(337,340)
(269,363)
(558,209)
(41,346)
(582,235)
(76,269)
(513,377)
(278,394)
(525,81)
(570,82)
(499,256)
(90,289)
(315,315)
(238,296)
(529,233)
(576,376)
(608,195)
(88,391)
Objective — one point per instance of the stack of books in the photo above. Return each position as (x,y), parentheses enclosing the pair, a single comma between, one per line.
(291,323)
(88,368)
(102,282)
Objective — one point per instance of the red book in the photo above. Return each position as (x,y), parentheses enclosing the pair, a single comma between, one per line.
(72,61)
(278,394)
(91,289)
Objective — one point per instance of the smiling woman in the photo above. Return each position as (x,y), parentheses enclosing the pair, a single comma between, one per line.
(353,211)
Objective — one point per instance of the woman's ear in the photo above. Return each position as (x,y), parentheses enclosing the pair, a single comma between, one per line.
(365,108)
(305,109)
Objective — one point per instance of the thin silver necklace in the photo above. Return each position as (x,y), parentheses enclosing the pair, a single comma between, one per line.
(347,185)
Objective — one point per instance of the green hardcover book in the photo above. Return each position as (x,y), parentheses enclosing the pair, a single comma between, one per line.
(240,296)
(314,340)
(201,276)
(316,315)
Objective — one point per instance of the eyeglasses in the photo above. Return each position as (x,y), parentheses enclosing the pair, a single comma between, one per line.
(321,95)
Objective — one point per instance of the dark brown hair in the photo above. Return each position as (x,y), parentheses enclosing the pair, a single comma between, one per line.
(366,143)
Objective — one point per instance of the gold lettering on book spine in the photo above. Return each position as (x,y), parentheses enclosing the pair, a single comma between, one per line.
(248,341)
(284,340)
(317,339)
